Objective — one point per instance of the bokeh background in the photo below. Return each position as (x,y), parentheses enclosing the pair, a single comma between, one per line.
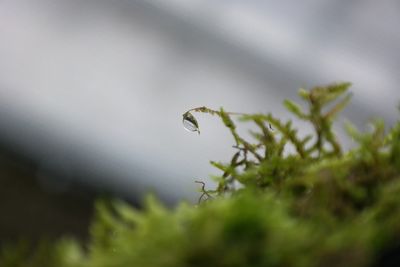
(92,92)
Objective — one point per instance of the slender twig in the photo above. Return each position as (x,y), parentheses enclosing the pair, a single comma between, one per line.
(204,109)
(203,190)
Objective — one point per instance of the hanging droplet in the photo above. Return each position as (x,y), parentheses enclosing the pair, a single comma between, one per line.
(190,123)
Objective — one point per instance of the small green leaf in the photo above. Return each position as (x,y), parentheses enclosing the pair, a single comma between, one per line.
(338,107)
(295,109)
(303,93)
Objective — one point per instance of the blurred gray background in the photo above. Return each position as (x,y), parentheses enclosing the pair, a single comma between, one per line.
(94,91)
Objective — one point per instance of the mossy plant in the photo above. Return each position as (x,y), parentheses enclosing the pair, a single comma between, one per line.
(314,205)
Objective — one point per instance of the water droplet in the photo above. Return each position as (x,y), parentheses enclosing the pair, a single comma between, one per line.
(190,123)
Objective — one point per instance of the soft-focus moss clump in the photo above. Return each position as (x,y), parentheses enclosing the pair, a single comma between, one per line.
(315,206)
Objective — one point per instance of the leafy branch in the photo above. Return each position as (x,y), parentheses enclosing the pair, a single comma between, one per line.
(274,136)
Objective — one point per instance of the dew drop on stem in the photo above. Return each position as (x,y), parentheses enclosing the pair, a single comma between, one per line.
(190,123)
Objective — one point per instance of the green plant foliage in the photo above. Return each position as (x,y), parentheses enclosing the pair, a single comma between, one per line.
(314,205)
(44,254)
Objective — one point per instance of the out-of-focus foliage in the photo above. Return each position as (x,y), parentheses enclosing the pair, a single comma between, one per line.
(43,254)
(316,206)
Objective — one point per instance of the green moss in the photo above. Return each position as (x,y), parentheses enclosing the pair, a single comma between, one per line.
(316,206)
